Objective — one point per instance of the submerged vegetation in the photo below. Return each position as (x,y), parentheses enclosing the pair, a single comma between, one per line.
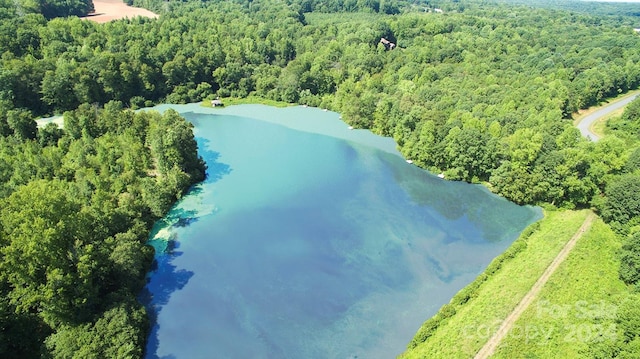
(482,92)
(461,327)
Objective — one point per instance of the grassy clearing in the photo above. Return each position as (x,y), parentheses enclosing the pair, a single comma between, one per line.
(599,127)
(495,295)
(230,101)
(577,306)
(340,18)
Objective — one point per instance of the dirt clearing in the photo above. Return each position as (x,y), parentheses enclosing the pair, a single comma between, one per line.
(107,10)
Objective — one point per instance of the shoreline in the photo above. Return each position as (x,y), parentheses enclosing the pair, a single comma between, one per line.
(330,126)
(333,127)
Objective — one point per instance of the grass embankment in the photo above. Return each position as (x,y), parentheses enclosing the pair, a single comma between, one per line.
(464,325)
(577,307)
(599,127)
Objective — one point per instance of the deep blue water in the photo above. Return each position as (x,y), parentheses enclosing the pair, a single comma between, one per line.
(310,240)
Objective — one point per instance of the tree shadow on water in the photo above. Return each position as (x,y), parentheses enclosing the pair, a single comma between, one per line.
(180,217)
(165,280)
(215,170)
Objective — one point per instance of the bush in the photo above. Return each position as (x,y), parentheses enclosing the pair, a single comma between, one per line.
(622,202)
(630,260)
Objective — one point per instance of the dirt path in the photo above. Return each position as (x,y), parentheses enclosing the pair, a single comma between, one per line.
(489,348)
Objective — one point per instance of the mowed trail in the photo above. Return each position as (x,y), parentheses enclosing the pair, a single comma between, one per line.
(489,348)
(107,10)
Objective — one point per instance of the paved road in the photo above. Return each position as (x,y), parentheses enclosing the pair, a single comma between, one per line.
(586,122)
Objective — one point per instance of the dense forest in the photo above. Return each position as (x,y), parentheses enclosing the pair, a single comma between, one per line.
(49,9)
(75,211)
(619,9)
(483,92)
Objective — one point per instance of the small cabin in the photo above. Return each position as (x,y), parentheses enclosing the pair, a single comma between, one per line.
(387,44)
(216,103)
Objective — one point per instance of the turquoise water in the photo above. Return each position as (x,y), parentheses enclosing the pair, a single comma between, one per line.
(310,240)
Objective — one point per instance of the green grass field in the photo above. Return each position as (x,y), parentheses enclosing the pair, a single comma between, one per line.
(600,126)
(464,333)
(230,101)
(577,307)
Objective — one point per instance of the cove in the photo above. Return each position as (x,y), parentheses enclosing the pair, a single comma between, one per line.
(310,240)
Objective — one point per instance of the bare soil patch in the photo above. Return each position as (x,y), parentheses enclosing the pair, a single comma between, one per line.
(108,10)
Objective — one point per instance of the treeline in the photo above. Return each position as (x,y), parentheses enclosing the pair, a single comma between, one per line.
(76,207)
(484,94)
(614,8)
(619,206)
(48,8)
(481,92)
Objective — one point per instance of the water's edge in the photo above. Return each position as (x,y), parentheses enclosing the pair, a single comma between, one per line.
(191,209)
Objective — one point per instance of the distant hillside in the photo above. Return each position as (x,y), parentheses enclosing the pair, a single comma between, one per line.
(631,9)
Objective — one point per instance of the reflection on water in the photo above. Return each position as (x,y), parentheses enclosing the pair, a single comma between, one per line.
(310,240)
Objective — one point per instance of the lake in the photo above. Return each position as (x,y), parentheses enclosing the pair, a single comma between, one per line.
(311,240)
